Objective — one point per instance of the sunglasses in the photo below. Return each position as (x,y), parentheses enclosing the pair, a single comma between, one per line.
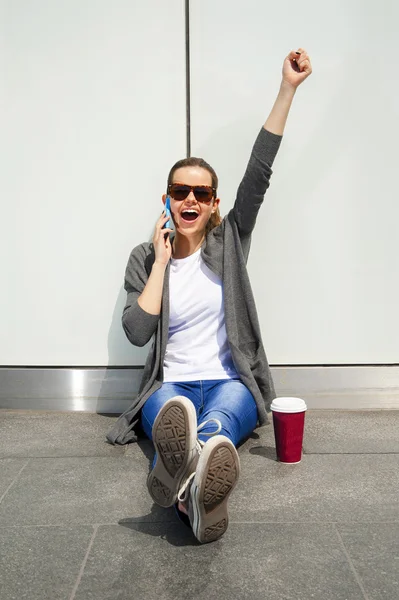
(202,193)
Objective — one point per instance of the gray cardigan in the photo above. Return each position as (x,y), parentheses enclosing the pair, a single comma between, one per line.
(225,251)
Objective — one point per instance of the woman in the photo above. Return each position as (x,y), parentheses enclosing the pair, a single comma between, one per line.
(207,364)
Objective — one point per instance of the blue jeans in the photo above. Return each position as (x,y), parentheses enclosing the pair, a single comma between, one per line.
(227,400)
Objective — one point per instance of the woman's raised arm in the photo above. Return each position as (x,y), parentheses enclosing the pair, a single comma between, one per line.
(296,69)
(256,180)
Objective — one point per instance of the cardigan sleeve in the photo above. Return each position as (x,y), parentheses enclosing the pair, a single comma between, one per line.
(256,180)
(138,324)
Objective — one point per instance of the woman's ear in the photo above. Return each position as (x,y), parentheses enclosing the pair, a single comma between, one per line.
(164,198)
(216,203)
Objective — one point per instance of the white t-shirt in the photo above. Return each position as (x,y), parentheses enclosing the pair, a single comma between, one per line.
(198,347)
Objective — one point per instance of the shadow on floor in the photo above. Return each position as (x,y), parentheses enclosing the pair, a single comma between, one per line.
(266,451)
(155,524)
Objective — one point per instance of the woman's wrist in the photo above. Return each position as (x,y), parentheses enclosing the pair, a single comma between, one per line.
(160,265)
(278,116)
(286,89)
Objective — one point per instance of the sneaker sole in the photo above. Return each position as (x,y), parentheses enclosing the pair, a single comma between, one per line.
(174,435)
(216,476)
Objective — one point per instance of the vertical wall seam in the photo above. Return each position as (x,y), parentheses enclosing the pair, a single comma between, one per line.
(188,99)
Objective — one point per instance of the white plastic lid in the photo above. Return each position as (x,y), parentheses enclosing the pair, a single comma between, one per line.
(288,405)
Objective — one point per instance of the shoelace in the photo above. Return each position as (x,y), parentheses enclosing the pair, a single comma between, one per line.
(218,430)
(181,496)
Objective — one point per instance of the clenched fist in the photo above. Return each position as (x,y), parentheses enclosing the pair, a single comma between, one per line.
(296,67)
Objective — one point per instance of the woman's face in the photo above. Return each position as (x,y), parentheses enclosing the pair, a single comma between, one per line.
(191,176)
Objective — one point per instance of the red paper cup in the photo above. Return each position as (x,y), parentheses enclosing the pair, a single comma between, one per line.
(288,422)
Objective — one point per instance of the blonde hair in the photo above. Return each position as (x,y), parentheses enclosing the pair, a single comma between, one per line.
(215,219)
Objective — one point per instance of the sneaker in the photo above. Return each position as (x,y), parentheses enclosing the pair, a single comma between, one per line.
(216,476)
(174,435)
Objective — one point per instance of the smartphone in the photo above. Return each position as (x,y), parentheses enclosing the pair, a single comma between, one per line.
(167,209)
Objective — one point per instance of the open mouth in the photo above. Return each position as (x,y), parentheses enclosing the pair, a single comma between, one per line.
(189,216)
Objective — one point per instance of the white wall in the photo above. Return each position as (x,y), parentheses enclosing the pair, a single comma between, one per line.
(93,118)
(324,258)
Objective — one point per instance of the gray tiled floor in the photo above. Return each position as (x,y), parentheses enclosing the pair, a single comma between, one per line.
(76,521)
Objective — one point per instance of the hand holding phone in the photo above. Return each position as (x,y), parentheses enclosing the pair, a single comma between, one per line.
(161,240)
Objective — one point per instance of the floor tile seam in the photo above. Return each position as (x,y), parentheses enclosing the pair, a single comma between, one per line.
(82,566)
(349,453)
(13,481)
(77,525)
(168,522)
(312,522)
(14,457)
(351,565)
